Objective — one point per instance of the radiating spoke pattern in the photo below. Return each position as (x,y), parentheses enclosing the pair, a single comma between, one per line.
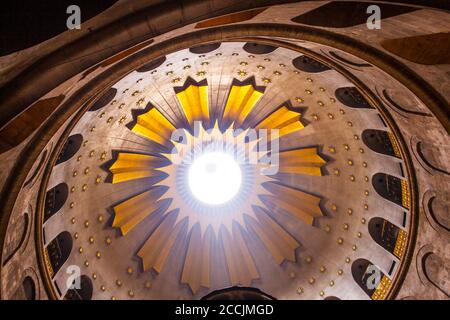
(228,225)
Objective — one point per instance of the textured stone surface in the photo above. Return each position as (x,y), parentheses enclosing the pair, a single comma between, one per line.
(428,280)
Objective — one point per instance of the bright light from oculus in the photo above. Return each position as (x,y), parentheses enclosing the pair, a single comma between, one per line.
(214,178)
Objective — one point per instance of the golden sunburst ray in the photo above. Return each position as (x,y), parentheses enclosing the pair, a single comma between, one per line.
(301,161)
(285,118)
(301,205)
(196,268)
(241,265)
(153,125)
(193,99)
(242,99)
(278,241)
(157,247)
(131,212)
(132,166)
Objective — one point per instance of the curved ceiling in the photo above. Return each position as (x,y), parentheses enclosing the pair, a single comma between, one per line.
(293,234)
(334,145)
